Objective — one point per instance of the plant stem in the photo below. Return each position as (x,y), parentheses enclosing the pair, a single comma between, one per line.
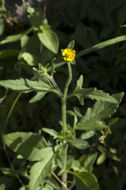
(58,179)
(44,16)
(3,4)
(64,121)
(64,99)
(4,146)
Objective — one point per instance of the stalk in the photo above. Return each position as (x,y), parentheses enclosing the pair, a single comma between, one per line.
(64,99)
(64,121)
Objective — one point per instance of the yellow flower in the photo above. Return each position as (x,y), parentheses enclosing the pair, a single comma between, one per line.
(69,54)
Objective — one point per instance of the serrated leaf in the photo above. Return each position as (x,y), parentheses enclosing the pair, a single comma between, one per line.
(88,179)
(90,123)
(38,85)
(40,170)
(79,144)
(26,85)
(17,84)
(103,110)
(30,145)
(93,119)
(49,39)
(93,94)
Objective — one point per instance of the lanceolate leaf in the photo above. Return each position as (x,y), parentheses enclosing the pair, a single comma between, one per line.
(14,38)
(102,45)
(40,170)
(93,94)
(17,84)
(37,97)
(88,179)
(26,85)
(79,144)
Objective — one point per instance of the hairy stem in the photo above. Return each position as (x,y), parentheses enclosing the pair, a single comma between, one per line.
(64,121)
(64,99)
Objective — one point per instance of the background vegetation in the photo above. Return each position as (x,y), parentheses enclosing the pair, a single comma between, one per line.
(88,22)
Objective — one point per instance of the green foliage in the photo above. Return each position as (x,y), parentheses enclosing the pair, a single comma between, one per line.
(14,38)
(30,145)
(40,170)
(72,142)
(49,38)
(89,180)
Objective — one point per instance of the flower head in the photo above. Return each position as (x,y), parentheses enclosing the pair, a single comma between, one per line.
(69,54)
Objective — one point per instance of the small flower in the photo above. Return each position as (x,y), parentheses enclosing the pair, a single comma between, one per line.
(69,54)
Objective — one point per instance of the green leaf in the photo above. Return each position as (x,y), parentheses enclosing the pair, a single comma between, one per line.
(88,179)
(103,110)
(51,132)
(87,135)
(90,123)
(26,85)
(101,158)
(80,185)
(24,41)
(37,97)
(40,170)
(102,45)
(10,172)
(90,161)
(93,119)
(30,145)
(79,144)
(24,188)
(5,54)
(47,187)
(14,38)
(71,44)
(93,94)
(80,82)
(29,58)
(75,165)
(35,17)
(49,39)
(1,26)
(2,187)
(38,85)
(17,84)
